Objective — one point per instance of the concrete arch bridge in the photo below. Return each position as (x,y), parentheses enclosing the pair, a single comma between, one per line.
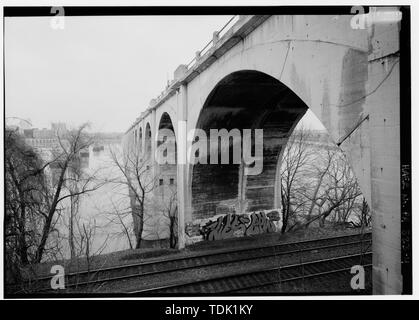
(265,72)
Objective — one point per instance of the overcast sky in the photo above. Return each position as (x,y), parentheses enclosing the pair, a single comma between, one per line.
(99,69)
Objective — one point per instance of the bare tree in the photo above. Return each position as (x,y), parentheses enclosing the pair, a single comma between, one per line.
(319,173)
(37,191)
(75,173)
(138,178)
(118,216)
(342,190)
(24,176)
(67,160)
(87,232)
(317,184)
(169,209)
(85,237)
(295,159)
(362,217)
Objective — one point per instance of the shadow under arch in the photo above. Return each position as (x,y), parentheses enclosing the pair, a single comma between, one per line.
(147,141)
(140,140)
(166,192)
(166,134)
(244,99)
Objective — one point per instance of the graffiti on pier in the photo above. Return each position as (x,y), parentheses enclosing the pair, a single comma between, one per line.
(260,224)
(234,225)
(229,226)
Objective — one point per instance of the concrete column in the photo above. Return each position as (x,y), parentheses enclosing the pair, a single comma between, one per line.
(153,129)
(182,188)
(278,184)
(384,110)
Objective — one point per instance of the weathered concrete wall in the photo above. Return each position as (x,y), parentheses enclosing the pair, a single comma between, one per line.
(384,106)
(374,151)
(307,54)
(323,68)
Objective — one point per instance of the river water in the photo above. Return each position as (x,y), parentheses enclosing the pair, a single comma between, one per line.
(98,209)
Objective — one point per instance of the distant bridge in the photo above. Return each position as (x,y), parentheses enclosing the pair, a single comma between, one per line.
(265,72)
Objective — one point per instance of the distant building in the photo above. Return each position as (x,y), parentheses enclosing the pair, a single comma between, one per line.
(47,143)
(43,133)
(58,127)
(18,124)
(44,141)
(317,138)
(28,133)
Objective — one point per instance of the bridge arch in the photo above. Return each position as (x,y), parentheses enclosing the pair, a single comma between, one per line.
(147,140)
(166,135)
(166,172)
(344,75)
(245,99)
(334,89)
(140,140)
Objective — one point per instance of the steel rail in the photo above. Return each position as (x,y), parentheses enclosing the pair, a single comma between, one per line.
(211,253)
(253,272)
(311,275)
(267,255)
(310,246)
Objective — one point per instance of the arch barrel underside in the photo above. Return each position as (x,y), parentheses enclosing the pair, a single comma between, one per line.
(244,100)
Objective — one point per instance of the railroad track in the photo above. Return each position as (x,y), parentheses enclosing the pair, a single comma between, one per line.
(99,277)
(248,280)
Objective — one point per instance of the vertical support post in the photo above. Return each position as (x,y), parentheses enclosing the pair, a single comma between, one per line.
(278,184)
(182,182)
(153,143)
(242,205)
(384,110)
(406,153)
(215,37)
